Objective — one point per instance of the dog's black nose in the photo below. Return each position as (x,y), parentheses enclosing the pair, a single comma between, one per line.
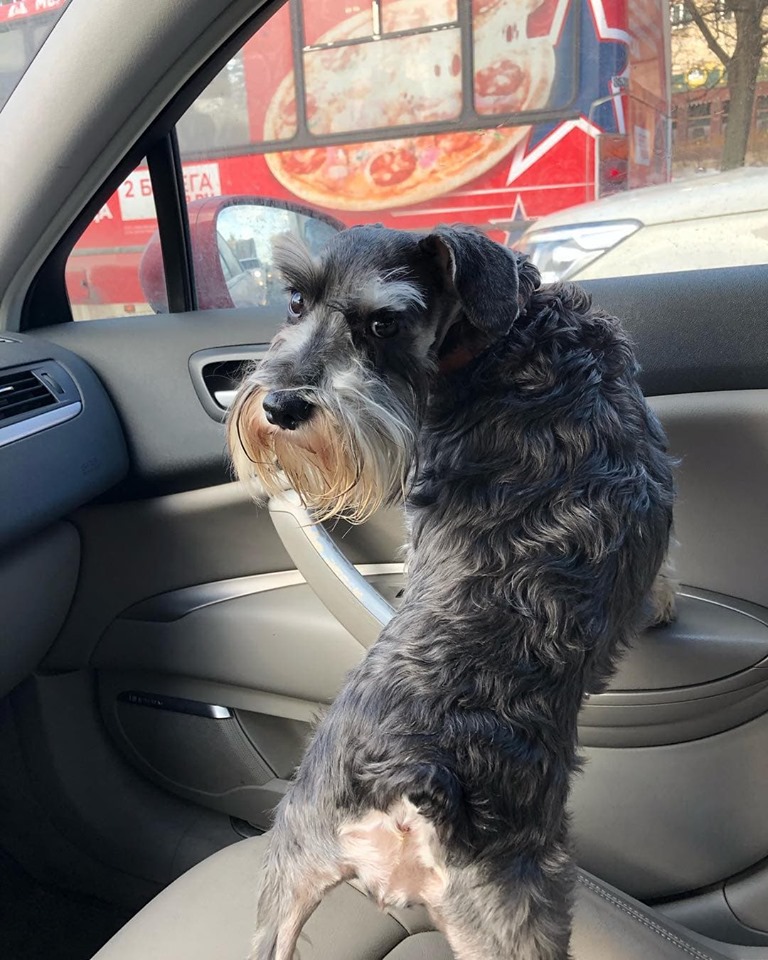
(286,409)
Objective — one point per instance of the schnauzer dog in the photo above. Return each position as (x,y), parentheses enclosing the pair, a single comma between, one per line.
(538,498)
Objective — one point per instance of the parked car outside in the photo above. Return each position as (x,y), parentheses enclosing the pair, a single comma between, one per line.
(661,229)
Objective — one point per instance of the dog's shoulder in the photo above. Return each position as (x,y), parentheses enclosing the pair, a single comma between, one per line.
(572,296)
(564,322)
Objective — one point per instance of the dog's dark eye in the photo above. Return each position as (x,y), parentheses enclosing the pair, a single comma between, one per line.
(296,304)
(384,327)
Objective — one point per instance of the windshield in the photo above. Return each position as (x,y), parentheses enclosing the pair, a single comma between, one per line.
(24,26)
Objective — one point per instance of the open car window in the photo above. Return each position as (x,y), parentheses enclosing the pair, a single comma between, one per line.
(608,139)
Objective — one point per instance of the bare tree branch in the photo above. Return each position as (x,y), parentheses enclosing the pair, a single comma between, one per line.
(709,37)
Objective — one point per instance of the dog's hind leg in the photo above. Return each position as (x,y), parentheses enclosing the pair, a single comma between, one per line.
(519,913)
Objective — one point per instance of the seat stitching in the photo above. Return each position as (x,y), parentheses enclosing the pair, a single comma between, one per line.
(421,933)
(645,921)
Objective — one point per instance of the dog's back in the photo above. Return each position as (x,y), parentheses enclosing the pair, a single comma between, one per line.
(546,450)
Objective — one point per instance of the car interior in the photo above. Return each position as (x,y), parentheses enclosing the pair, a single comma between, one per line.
(166,644)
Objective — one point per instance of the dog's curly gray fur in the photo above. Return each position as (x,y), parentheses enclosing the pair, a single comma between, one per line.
(539,505)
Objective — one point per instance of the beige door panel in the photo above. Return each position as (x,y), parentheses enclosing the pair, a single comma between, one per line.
(137,550)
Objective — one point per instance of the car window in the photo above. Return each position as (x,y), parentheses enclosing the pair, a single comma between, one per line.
(603,139)
(114,269)
(713,211)
(24,25)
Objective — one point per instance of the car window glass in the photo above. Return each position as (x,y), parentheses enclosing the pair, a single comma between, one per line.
(370,112)
(604,139)
(114,269)
(713,211)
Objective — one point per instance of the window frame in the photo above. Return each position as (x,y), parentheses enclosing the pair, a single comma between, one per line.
(165,172)
(47,301)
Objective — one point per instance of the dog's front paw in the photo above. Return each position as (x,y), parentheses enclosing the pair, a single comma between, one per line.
(660,607)
(263,945)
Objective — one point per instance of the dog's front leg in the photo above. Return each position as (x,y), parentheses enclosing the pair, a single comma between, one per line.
(284,906)
(660,607)
(300,867)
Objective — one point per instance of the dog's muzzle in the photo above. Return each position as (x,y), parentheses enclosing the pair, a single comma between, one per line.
(286,409)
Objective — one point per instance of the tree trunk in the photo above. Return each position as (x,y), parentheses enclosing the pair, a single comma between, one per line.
(743,68)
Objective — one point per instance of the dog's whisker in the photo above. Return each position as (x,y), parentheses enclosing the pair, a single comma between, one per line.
(243,446)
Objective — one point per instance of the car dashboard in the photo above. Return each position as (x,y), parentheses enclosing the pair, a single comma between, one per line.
(61,444)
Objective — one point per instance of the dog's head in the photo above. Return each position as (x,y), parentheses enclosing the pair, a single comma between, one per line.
(373,323)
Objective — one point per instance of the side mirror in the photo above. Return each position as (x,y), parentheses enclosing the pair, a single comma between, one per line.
(231,240)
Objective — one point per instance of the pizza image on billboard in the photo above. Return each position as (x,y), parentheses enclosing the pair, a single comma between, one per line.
(412,74)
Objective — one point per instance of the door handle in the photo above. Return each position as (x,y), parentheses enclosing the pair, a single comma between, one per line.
(216,374)
(224,398)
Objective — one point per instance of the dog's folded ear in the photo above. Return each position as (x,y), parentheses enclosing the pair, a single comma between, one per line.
(492,283)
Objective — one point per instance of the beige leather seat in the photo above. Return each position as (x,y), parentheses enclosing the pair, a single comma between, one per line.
(208,915)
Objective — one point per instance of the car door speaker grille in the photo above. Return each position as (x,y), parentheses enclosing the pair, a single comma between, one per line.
(200,754)
(21,392)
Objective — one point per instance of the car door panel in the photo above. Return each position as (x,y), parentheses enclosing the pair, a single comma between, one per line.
(721,512)
(37,583)
(287,662)
(690,335)
(144,362)
(143,548)
(182,616)
(668,819)
(280,641)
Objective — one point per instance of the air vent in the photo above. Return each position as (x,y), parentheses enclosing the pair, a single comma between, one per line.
(21,392)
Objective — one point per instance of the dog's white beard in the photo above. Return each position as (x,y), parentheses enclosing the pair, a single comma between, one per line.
(353,455)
